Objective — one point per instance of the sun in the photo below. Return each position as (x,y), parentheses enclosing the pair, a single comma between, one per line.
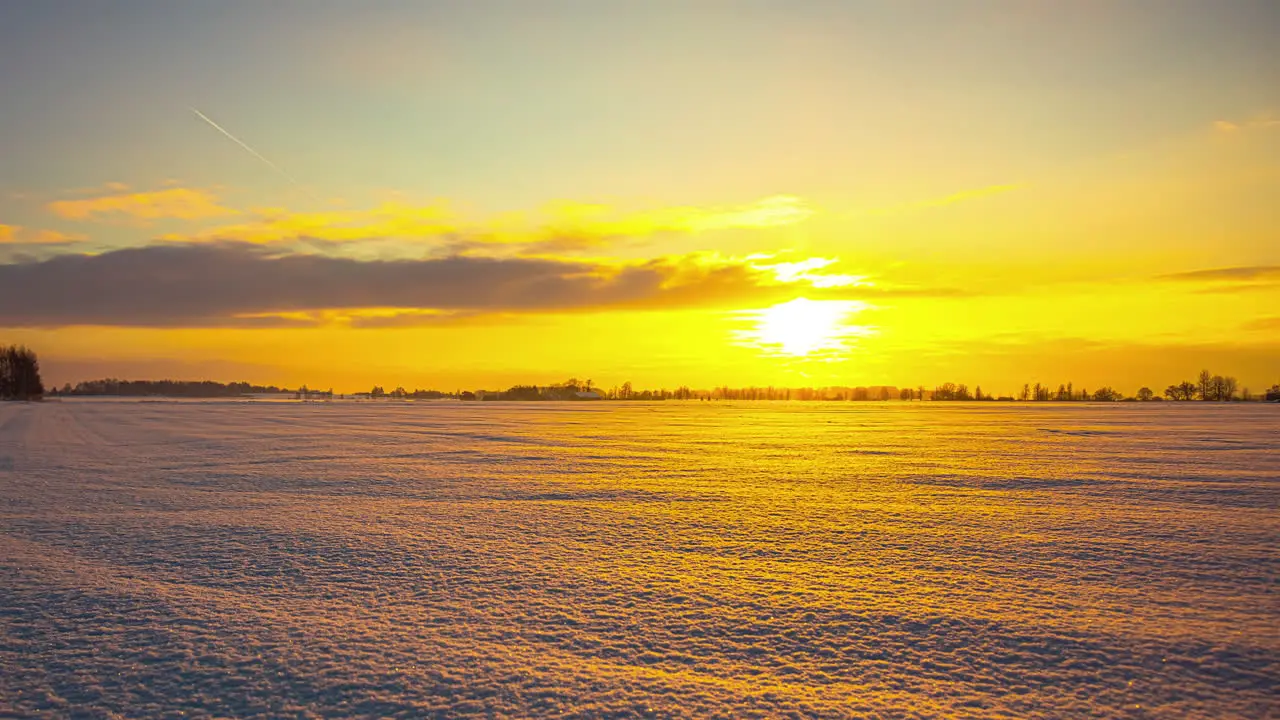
(805,328)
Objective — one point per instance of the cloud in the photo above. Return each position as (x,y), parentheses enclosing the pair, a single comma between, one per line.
(1267,324)
(427,318)
(245,285)
(18,235)
(1235,126)
(1231,274)
(178,203)
(226,283)
(1229,280)
(389,220)
(563,226)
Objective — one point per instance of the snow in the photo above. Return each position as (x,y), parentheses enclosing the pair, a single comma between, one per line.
(214,559)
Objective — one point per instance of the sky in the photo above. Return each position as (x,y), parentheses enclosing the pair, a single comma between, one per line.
(475,194)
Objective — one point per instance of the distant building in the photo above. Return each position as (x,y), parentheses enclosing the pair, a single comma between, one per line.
(588,395)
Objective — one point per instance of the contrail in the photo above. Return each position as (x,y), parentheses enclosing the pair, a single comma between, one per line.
(242,144)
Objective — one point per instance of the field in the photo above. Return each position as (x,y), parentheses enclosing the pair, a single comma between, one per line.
(896,560)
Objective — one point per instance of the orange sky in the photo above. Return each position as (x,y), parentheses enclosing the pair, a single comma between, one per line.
(798,194)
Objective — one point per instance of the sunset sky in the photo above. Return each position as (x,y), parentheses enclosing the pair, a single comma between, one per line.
(473,194)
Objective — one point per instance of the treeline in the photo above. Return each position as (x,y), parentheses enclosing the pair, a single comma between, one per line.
(571,389)
(19,374)
(166,388)
(1207,387)
(20,379)
(398,394)
(585,390)
(807,394)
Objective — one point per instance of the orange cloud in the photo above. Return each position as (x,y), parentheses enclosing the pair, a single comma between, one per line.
(15,234)
(179,203)
(391,219)
(1258,123)
(559,226)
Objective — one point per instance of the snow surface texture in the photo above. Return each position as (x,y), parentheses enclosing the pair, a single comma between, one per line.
(200,559)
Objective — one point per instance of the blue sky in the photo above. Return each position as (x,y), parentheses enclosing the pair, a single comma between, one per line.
(508,102)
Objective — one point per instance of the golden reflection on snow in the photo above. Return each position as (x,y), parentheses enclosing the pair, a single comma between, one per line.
(637,559)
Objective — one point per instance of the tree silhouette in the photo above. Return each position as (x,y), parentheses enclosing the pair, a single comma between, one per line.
(1145,394)
(19,374)
(1106,394)
(1222,388)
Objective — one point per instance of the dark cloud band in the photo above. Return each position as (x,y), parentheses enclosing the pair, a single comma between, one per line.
(211,284)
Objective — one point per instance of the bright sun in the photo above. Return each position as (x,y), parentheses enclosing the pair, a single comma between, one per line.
(804,328)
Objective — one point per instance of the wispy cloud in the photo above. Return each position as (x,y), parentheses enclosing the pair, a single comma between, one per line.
(563,226)
(1231,274)
(1263,122)
(19,244)
(177,203)
(1229,280)
(952,199)
(16,234)
(1267,324)
(388,220)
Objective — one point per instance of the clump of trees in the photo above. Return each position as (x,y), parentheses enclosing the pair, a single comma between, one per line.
(19,374)
(401,394)
(166,388)
(1207,387)
(571,389)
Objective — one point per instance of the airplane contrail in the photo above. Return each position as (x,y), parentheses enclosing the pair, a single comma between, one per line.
(251,151)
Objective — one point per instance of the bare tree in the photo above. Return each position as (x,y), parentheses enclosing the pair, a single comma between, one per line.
(19,374)
(1106,394)
(1205,384)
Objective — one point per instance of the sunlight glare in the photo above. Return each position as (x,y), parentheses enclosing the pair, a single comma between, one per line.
(805,328)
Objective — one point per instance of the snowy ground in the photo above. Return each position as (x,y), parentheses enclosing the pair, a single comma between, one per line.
(614,560)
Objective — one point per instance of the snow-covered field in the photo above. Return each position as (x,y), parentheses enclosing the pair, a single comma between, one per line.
(165,559)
